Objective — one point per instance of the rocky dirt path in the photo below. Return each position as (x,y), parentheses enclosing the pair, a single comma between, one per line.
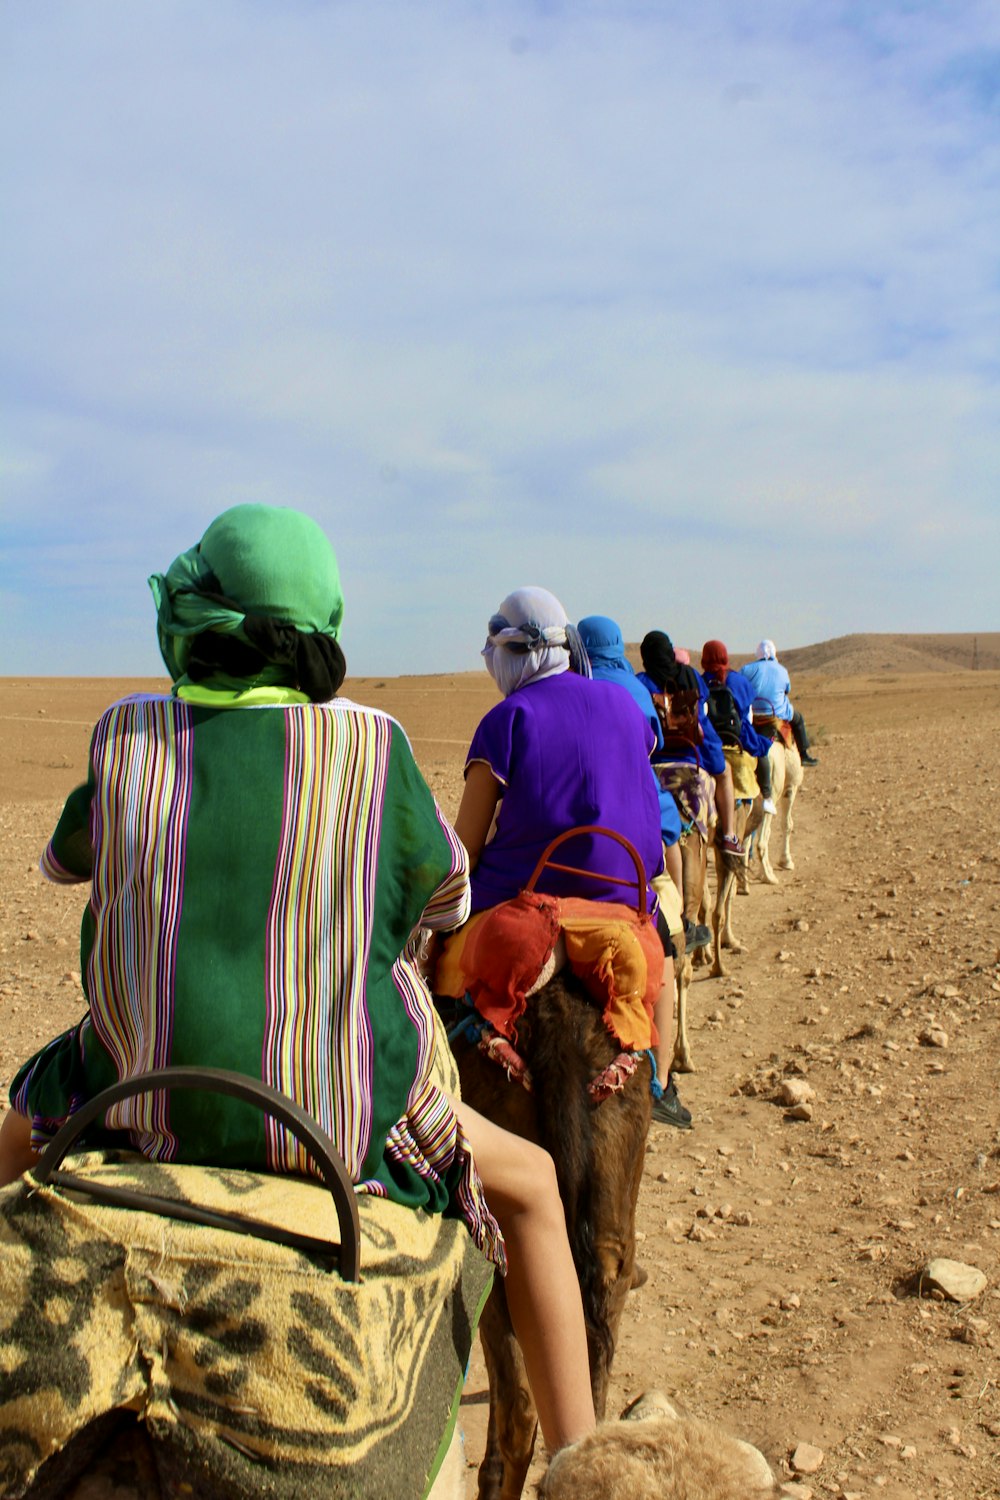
(779,1252)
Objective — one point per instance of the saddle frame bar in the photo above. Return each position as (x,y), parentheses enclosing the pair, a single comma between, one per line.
(638,885)
(318,1145)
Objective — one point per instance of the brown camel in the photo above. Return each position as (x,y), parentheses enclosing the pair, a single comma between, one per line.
(694,859)
(598,1153)
(728,880)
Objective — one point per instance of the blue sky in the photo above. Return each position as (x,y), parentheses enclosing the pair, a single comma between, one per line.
(689,313)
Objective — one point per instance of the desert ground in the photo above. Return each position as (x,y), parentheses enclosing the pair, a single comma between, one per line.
(781,1253)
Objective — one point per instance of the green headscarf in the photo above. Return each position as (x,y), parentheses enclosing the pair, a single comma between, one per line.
(253,560)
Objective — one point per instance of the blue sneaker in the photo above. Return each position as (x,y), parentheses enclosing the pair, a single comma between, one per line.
(668,1109)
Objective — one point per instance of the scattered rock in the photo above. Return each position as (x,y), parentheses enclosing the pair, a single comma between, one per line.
(795,1091)
(650,1404)
(799,1112)
(957,1281)
(807,1459)
(933,1036)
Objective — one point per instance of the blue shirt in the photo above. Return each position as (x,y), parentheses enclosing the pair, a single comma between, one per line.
(771,687)
(742,690)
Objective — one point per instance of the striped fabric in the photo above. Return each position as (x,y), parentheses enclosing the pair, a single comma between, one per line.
(258,875)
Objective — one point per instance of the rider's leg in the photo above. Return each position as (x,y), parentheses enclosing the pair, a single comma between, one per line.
(764,776)
(16,1154)
(725,801)
(542,1287)
(674,865)
(663,1018)
(799,733)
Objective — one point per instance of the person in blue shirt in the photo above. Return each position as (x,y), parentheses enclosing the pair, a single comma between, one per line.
(605,647)
(772,688)
(663,673)
(715,669)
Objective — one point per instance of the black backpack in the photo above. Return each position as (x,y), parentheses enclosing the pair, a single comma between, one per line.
(723,713)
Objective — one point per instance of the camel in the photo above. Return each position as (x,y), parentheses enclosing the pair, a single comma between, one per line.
(786,778)
(727,880)
(694,860)
(726,884)
(598,1149)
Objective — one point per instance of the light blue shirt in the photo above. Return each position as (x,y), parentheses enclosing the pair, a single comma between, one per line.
(771,687)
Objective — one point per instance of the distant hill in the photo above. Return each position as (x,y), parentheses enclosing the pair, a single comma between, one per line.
(875,655)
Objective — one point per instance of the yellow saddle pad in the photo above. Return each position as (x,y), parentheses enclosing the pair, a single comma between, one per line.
(744,769)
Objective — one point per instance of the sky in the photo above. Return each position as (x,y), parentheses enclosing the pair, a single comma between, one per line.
(687,312)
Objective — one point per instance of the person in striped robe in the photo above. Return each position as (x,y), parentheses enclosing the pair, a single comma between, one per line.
(261,855)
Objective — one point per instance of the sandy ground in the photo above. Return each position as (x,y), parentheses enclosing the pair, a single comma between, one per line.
(778,1252)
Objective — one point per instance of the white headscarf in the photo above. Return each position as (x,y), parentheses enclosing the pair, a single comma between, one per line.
(530,637)
(766,651)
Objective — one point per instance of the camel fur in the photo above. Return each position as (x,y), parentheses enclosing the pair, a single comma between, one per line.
(661,1455)
(694,861)
(598,1150)
(786,778)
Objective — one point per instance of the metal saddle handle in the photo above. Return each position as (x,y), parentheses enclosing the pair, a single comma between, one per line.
(321,1150)
(638,885)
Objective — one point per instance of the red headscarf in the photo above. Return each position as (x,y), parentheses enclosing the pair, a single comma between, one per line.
(714,657)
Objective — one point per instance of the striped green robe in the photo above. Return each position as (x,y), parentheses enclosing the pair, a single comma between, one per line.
(256,875)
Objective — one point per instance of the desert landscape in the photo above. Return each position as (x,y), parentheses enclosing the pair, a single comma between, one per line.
(782,1253)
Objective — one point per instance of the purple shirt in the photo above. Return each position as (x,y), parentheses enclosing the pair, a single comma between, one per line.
(567,752)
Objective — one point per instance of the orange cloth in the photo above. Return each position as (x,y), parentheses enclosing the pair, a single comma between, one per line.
(498,955)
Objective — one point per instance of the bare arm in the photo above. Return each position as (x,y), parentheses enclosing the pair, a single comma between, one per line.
(475,815)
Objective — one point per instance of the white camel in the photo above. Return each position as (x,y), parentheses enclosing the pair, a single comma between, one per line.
(786,778)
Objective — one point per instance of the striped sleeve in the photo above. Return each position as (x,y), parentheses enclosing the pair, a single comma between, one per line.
(449,905)
(69,856)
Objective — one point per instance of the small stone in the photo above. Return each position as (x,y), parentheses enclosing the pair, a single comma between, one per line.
(908,1452)
(799,1112)
(795,1091)
(699,1233)
(957,1281)
(933,1036)
(806,1459)
(650,1404)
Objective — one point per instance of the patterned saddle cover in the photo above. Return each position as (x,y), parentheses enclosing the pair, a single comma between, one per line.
(692,789)
(776,729)
(257,1371)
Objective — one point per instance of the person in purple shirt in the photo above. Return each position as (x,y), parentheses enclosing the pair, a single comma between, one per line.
(558,752)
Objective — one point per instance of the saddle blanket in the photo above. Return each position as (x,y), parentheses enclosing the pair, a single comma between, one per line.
(256,1371)
(743,767)
(692,789)
(498,956)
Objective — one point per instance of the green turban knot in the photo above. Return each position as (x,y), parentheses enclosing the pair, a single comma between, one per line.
(253,560)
